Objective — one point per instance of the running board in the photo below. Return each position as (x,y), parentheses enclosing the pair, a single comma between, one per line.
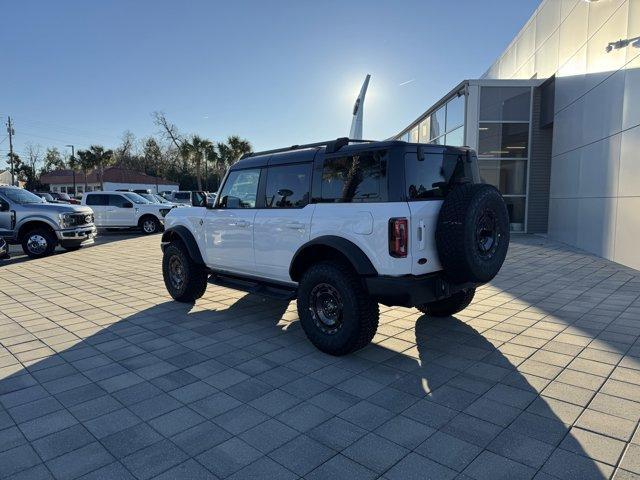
(272,290)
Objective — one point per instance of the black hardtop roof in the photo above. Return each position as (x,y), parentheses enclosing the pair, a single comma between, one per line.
(340,146)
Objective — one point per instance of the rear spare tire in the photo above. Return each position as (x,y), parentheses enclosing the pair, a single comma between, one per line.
(472,235)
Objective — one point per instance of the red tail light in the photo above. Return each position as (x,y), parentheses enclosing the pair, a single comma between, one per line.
(398,237)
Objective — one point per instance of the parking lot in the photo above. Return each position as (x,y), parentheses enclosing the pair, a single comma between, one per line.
(103,376)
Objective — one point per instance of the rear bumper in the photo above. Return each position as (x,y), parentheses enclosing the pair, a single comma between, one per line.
(411,290)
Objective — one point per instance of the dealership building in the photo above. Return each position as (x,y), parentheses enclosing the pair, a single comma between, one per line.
(556,124)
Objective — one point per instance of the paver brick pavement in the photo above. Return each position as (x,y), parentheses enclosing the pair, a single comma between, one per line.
(102,375)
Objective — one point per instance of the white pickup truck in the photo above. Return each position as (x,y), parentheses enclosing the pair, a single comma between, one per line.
(126,210)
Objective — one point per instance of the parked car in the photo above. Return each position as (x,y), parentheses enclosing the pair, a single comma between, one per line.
(46,196)
(155,198)
(39,226)
(196,198)
(126,210)
(4,249)
(64,198)
(342,227)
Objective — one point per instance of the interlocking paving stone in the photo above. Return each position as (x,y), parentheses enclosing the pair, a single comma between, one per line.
(539,376)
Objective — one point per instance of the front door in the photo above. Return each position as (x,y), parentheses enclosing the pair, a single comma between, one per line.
(120,212)
(283,222)
(229,226)
(6,218)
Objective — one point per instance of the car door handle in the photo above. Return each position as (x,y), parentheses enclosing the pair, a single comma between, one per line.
(239,223)
(295,226)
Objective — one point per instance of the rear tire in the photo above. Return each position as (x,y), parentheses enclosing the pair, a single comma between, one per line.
(450,305)
(149,225)
(335,310)
(186,280)
(39,242)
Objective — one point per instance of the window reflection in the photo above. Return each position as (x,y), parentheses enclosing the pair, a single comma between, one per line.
(500,140)
(505,103)
(437,123)
(455,113)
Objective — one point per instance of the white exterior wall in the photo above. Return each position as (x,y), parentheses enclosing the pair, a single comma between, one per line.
(595,173)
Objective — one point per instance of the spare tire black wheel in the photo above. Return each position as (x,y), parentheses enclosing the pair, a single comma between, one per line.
(472,235)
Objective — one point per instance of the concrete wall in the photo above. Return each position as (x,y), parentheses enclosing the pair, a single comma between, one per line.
(595,168)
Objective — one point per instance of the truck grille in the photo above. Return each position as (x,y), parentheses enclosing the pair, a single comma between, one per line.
(79,219)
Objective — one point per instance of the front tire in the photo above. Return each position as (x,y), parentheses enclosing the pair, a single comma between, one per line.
(450,305)
(335,310)
(186,280)
(39,242)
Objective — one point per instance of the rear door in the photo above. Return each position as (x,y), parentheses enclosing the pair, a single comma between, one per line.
(422,174)
(98,203)
(283,223)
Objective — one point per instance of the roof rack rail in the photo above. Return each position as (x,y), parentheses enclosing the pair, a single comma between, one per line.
(332,146)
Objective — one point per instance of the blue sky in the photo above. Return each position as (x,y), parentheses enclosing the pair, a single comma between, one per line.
(276,72)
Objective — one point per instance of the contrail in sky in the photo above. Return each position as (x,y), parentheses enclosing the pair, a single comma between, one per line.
(407,82)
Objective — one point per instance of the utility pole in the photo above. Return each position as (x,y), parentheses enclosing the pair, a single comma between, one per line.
(11,132)
(73,165)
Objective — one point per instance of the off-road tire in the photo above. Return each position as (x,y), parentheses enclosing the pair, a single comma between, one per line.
(44,233)
(153,221)
(448,306)
(460,229)
(360,313)
(195,275)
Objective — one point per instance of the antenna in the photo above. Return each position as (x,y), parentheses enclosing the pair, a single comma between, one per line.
(358,111)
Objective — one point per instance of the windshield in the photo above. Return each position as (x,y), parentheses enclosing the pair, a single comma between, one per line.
(46,196)
(135,198)
(22,196)
(160,198)
(149,197)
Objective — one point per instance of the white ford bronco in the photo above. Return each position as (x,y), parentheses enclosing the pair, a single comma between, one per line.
(342,226)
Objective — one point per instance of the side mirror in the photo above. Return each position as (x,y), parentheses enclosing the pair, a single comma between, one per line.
(127,205)
(230,202)
(210,203)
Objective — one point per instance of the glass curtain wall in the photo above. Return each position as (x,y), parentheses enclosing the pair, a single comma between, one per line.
(503,145)
(445,126)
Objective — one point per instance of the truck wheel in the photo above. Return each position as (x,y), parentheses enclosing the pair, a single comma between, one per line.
(149,225)
(186,281)
(39,242)
(335,309)
(472,234)
(448,306)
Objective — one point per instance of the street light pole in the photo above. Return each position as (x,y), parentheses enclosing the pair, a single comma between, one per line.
(73,164)
(10,131)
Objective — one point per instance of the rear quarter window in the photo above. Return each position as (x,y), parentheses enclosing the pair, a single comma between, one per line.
(361,177)
(96,200)
(423,178)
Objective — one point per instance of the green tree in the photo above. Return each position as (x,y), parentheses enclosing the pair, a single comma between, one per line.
(101,158)
(83,161)
(52,160)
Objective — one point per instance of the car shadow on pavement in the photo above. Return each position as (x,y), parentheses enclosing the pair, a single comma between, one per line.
(234,388)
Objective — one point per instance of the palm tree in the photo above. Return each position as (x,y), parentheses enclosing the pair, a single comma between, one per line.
(230,152)
(101,158)
(196,149)
(85,163)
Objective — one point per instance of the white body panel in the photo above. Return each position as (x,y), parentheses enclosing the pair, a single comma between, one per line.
(278,234)
(229,239)
(422,236)
(116,216)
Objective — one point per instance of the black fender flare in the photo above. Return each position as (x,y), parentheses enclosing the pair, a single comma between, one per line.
(186,237)
(346,248)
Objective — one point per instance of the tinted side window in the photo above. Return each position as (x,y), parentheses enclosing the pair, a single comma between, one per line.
(183,196)
(97,200)
(422,176)
(117,201)
(240,189)
(355,178)
(288,186)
